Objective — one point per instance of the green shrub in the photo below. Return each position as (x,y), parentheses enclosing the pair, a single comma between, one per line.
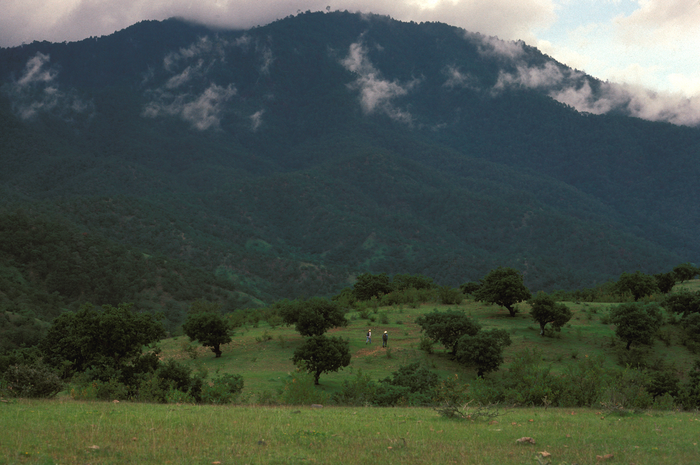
(222,390)
(358,391)
(35,381)
(300,389)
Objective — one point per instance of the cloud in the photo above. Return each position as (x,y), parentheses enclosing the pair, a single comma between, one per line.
(202,110)
(256,120)
(61,20)
(376,93)
(531,77)
(455,78)
(37,91)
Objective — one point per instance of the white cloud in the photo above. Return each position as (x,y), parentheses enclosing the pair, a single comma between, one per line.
(376,93)
(36,91)
(256,120)
(202,110)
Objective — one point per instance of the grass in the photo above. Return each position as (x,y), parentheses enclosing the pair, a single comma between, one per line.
(70,432)
(266,364)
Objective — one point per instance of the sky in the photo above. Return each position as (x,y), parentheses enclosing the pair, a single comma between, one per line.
(646,44)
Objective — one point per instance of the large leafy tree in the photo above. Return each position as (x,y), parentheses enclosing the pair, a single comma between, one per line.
(638,284)
(447,327)
(503,286)
(370,285)
(484,350)
(321,354)
(206,325)
(665,281)
(312,317)
(111,337)
(684,302)
(636,323)
(685,272)
(544,310)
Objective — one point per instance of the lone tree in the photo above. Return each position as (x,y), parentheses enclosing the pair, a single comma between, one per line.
(638,284)
(684,302)
(685,272)
(321,354)
(312,317)
(106,337)
(636,323)
(483,350)
(206,325)
(504,287)
(665,281)
(370,285)
(447,327)
(546,310)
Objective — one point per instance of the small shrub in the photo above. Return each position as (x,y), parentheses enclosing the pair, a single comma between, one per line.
(264,337)
(222,390)
(35,381)
(384,318)
(388,352)
(300,389)
(426,345)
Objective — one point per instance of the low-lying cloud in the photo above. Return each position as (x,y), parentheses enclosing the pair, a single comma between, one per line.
(376,93)
(37,91)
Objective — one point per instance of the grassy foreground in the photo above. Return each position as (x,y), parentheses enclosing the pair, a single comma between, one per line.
(71,432)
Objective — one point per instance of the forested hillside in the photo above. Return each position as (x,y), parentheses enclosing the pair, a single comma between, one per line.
(284,160)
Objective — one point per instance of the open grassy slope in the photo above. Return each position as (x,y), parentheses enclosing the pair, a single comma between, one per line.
(262,355)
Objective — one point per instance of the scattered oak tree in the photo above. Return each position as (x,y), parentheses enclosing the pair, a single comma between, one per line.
(684,302)
(504,287)
(312,317)
(206,325)
(321,354)
(638,284)
(447,327)
(483,350)
(370,285)
(546,310)
(665,281)
(107,337)
(685,272)
(636,323)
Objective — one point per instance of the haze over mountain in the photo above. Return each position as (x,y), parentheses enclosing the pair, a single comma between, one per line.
(287,158)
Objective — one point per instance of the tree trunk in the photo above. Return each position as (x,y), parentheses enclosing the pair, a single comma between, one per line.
(217,350)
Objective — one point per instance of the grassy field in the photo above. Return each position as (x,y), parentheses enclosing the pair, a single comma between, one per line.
(262,355)
(70,432)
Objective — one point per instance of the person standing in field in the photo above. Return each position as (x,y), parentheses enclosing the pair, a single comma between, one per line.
(369,336)
(385,339)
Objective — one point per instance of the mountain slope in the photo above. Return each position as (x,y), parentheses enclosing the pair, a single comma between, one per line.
(292,156)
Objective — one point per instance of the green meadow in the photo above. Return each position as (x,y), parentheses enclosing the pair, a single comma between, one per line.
(261,429)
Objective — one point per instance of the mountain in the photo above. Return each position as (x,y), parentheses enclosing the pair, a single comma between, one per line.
(285,159)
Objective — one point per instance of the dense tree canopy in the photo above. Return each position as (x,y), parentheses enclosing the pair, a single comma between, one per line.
(312,317)
(683,302)
(107,336)
(483,350)
(206,325)
(544,310)
(321,354)
(370,285)
(503,286)
(638,284)
(447,327)
(636,323)
(685,272)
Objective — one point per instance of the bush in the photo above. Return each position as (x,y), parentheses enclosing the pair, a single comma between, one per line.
(35,381)
(222,390)
(359,391)
(300,389)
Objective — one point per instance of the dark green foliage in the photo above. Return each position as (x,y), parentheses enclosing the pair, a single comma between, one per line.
(663,382)
(683,302)
(109,337)
(546,310)
(410,385)
(447,327)
(470,287)
(450,296)
(359,391)
(665,281)
(209,328)
(636,323)
(685,272)
(691,389)
(484,350)
(321,354)
(504,287)
(223,389)
(369,285)
(31,381)
(312,317)
(638,284)
(402,282)
(691,325)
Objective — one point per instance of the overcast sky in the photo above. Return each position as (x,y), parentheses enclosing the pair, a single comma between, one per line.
(651,43)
